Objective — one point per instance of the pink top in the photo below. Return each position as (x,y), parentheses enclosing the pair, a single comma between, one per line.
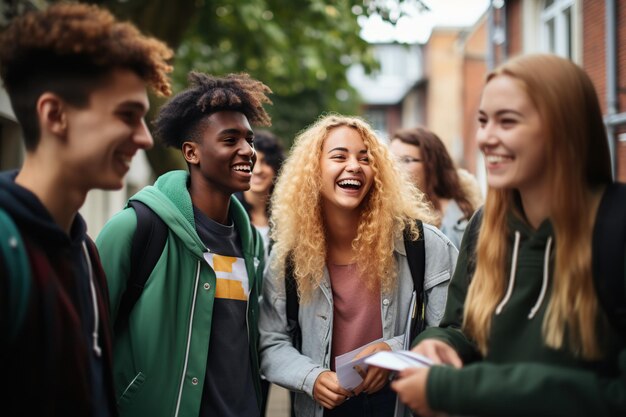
(356,314)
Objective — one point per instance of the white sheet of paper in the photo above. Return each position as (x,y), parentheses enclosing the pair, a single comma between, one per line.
(345,366)
(398,360)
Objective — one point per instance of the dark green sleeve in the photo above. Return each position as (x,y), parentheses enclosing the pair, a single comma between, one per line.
(517,389)
(114,244)
(526,389)
(449,329)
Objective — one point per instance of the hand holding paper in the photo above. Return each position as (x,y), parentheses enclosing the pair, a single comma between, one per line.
(439,352)
(354,373)
(399,360)
(328,392)
(374,378)
(411,389)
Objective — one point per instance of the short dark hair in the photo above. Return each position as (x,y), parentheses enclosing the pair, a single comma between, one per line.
(272,148)
(179,120)
(70,49)
(440,175)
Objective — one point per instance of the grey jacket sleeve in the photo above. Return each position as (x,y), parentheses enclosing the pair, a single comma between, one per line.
(281,362)
(441,256)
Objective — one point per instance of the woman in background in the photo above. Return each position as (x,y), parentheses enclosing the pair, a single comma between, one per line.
(256,200)
(454,193)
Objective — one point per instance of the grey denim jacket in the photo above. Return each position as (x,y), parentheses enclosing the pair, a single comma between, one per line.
(284,365)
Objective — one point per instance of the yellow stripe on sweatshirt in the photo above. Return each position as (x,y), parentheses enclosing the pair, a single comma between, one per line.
(231,276)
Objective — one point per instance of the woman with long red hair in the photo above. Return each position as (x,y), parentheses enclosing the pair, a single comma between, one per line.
(525,329)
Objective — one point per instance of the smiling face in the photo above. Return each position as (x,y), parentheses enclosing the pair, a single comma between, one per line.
(410,159)
(103,137)
(511,137)
(346,174)
(224,155)
(262,175)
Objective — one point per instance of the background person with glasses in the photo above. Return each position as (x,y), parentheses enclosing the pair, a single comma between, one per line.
(453,192)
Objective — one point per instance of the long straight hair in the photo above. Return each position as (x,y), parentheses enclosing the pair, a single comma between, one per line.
(577,161)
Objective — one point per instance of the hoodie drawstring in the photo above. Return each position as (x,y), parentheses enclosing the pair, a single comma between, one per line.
(96,346)
(544,283)
(509,290)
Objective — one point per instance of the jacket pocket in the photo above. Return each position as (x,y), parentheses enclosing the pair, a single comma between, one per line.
(132,389)
(436,288)
(436,279)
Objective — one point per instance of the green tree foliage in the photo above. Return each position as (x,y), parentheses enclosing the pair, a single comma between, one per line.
(299,48)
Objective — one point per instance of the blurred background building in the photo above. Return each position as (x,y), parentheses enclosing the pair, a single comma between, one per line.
(444,92)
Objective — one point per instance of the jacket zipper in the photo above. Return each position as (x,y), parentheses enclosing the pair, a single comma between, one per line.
(193,308)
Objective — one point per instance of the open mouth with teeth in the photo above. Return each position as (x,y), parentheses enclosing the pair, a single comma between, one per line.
(495,159)
(243,168)
(350,184)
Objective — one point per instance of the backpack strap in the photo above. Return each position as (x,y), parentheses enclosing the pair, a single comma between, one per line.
(471,234)
(292,304)
(15,261)
(416,257)
(609,245)
(147,247)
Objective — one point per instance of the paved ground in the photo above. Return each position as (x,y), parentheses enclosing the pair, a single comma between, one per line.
(278,403)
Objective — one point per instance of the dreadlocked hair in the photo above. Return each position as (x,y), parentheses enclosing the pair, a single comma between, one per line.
(179,119)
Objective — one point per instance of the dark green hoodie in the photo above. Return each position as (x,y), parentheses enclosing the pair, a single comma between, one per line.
(521,376)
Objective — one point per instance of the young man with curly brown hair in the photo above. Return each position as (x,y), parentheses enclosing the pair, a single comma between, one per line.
(77,82)
(190,343)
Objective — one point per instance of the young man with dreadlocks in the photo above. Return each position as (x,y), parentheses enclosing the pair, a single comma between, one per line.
(190,346)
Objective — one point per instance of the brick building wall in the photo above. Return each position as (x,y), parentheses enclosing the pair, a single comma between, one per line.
(621,54)
(594,62)
(444,71)
(594,56)
(474,71)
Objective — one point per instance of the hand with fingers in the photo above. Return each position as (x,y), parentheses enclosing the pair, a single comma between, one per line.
(328,392)
(375,378)
(439,352)
(411,388)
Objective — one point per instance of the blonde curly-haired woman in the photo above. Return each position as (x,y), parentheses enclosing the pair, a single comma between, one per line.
(339,211)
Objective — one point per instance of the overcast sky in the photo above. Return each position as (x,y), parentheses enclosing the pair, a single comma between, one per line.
(416,26)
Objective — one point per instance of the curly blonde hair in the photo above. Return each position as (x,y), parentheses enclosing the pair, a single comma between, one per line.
(392,206)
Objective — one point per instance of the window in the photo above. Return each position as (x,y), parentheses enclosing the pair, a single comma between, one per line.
(557,27)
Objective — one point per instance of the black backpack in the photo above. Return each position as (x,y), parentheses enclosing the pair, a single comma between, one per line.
(146,249)
(416,256)
(608,253)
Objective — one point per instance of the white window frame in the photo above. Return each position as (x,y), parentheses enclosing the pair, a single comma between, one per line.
(535,31)
(563,42)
